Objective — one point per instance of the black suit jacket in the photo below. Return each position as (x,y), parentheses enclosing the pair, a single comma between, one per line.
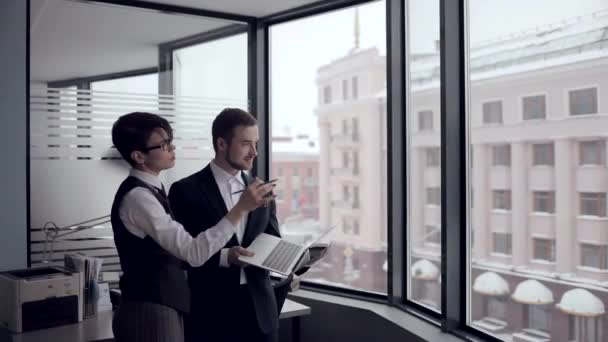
(197,203)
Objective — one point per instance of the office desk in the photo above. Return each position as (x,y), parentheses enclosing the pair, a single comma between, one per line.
(294,311)
(99,328)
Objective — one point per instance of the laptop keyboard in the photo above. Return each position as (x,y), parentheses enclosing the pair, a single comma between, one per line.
(282,255)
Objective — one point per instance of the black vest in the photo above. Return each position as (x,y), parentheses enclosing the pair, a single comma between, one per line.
(150,274)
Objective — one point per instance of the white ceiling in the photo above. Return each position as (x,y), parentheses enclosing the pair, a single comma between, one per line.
(73,39)
(254,8)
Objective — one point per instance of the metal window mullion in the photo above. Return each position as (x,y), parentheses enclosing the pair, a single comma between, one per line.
(396,166)
(453,157)
(258,92)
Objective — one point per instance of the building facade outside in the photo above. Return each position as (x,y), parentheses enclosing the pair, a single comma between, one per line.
(538,179)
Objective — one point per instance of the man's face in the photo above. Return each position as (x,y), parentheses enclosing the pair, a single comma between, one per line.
(242,149)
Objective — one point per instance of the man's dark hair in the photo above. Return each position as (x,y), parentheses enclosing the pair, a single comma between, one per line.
(132,131)
(225,123)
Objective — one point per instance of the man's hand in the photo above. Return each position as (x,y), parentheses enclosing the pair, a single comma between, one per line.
(235,252)
(257,194)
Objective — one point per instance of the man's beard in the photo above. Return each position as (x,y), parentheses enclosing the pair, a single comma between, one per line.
(234,164)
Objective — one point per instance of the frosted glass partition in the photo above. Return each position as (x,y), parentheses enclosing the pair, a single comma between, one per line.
(75,170)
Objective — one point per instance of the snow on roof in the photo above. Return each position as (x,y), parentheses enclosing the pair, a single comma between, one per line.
(491,284)
(532,291)
(424,270)
(581,302)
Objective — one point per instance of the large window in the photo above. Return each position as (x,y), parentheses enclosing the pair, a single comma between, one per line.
(319,66)
(534,84)
(423,152)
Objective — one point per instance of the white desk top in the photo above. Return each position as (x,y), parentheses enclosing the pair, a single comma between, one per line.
(99,327)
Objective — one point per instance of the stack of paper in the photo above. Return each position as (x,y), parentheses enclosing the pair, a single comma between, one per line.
(90,268)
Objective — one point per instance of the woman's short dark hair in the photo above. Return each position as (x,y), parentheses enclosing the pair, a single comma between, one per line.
(225,123)
(132,131)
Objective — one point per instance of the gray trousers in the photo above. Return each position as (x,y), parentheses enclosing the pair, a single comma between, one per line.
(147,322)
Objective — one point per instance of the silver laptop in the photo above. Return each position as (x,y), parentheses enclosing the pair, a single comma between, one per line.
(279,255)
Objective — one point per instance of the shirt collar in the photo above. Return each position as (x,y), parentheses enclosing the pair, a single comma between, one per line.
(221,176)
(147,178)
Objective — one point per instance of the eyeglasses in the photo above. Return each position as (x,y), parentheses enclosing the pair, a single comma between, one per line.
(165,145)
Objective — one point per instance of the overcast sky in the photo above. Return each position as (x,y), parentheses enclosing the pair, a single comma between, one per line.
(298,48)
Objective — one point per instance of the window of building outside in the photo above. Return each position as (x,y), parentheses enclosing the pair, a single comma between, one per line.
(355,203)
(345,159)
(327,94)
(345,192)
(543,154)
(534,107)
(502,243)
(543,201)
(355,87)
(425,120)
(501,199)
(344,90)
(496,307)
(501,155)
(492,112)
(594,256)
(539,318)
(432,234)
(592,152)
(433,196)
(593,204)
(583,101)
(433,156)
(355,135)
(544,249)
(529,84)
(344,127)
(356,227)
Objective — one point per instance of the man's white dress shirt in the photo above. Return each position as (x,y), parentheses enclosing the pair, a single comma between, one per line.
(228,184)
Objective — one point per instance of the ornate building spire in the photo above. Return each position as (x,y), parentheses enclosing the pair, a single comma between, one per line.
(357,33)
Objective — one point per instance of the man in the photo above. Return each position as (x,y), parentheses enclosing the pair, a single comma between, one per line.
(229,301)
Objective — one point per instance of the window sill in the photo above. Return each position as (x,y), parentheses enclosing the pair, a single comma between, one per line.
(501,211)
(424,328)
(542,262)
(591,269)
(592,166)
(501,255)
(542,214)
(592,218)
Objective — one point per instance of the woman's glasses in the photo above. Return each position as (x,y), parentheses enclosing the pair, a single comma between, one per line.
(165,145)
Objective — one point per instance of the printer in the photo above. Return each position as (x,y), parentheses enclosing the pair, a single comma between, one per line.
(36,298)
